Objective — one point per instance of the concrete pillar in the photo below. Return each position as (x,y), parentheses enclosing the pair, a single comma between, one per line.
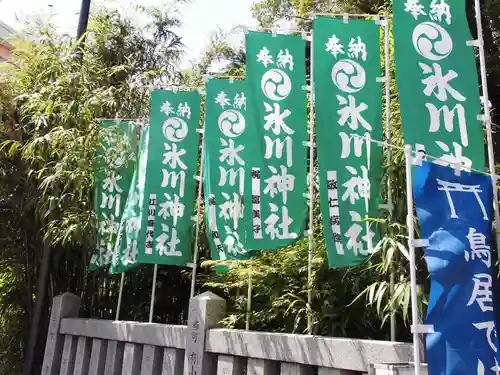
(82,356)
(230,365)
(97,357)
(173,361)
(68,355)
(66,305)
(262,367)
(151,360)
(295,369)
(114,358)
(132,358)
(205,311)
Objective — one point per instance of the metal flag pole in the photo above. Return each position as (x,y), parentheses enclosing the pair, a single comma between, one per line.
(120,293)
(249,301)
(487,120)
(388,139)
(153,292)
(411,247)
(198,211)
(311,187)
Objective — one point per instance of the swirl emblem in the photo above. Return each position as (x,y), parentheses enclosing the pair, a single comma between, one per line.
(231,123)
(276,84)
(349,76)
(175,129)
(432,41)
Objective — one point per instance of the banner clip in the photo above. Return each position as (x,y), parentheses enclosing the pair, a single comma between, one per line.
(420,243)
(473,43)
(305,87)
(346,18)
(483,117)
(305,195)
(206,78)
(194,218)
(305,36)
(190,265)
(197,178)
(201,91)
(274,34)
(457,167)
(307,233)
(200,130)
(380,20)
(308,144)
(381,79)
(422,328)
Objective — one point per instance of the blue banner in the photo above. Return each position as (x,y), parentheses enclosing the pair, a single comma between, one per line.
(454,214)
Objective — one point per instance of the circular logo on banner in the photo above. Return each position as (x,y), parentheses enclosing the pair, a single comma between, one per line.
(276,85)
(231,123)
(175,129)
(348,76)
(432,41)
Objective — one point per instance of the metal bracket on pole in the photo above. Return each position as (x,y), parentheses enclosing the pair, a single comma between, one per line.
(308,144)
(381,79)
(306,195)
(194,218)
(422,328)
(307,233)
(380,20)
(473,43)
(197,178)
(305,36)
(345,17)
(274,33)
(200,130)
(305,88)
(420,243)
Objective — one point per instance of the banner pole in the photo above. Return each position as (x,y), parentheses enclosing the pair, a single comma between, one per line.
(153,292)
(411,247)
(120,293)
(487,120)
(249,301)
(388,138)
(311,187)
(198,211)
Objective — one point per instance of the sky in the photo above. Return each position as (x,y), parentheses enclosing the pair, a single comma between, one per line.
(200,17)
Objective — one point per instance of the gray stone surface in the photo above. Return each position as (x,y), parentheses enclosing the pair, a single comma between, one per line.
(173,361)
(65,305)
(151,360)
(97,357)
(114,358)
(82,356)
(68,355)
(295,369)
(132,358)
(169,336)
(205,311)
(347,354)
(262,367)
(230,365)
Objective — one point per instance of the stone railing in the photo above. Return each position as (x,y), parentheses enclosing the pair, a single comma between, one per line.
(99,347)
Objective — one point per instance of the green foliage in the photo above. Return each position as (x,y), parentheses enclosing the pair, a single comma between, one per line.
(51,95)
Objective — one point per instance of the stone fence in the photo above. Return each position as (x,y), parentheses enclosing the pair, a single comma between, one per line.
(98,347)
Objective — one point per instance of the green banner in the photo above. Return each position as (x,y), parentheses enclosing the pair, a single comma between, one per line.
(226,138)
(127,246)
(113,171)
(170,183)
(437,81)
(348,96)
(277,158)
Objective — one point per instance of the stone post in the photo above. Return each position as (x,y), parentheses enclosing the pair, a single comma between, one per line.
(205,311)
(66,305)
